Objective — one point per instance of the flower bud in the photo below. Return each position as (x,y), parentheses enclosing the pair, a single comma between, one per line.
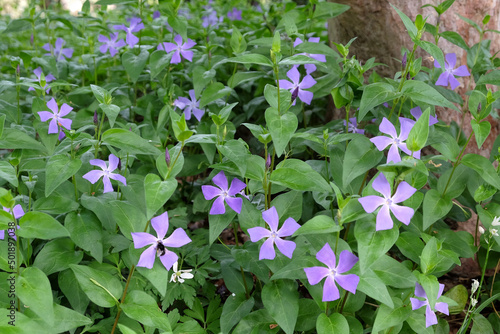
(479,107)
(295,93)
(268,162)
(32,39)
(167,157)
(18,70)
(96,121)
(119,164)
(475,285)
(481,230)
(403,62)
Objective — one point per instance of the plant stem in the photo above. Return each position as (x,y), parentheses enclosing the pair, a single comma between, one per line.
(123,298)
(457,163)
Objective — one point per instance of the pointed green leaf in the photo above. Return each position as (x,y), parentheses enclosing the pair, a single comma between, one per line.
(59,168)
(282,128)
(281,299)
(35,224)
(34,291)
(134,64)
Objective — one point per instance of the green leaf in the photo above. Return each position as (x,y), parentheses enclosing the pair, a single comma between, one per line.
(298,175)
(288,204)
(59,168)
(143,308)
(158,61)
(421,92)
(419,132)
(111,112)
(374,95)
(320,224)
(258,320)
(8,173)
(491,78)
(445,144)
(434,51)
(35,224)
(157,192)
(201,78)
(334,324)
(410,245)
(435,207)
(374,287)
(238,42)
(481,131)
(234,309)
(481,325)
(393,273)
(434,259)
(12,139)
(128,217)
(234,280)
(56,255)
(237,152)
(251,58)
(33,289)
(102,288)
(359,158)
(460,295)
(213,92)
(326,10)
(101,94)
(129,142)
(271,95)
(2,123)
(217,223)
(179,24)
(388,317)
(410,26)
(281,299)
(134,64)
(455,38)
(282,127)
(483,167)
(86,232)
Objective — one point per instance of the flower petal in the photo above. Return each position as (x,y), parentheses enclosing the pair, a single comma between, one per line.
(147,258)
(19,212)
(66,123)
(403,192)
(178,238)
(187,54)
(440,291)
(285,84)
(393,154)
(381,185)
(406,126)
(98,163)
(402,213)
(305,96)
(442,307)
(210,192)
(443,79)
(118,177)
(176,58)
(160,225)
(142,239)
(52,105)
(267,250)
(419,291)
(451,60)
(286,247)
(461,71)
(271,217)
(388,128)
(294,75)
(218,208)
(371,203)
(454,83)
(234,203)
(178,39)
(257,233)
(220,180)
(108,187)
(347,260)
(307,82)
(93,176)
(53,127)
(348,282)
(381,142)
(326,256)
(316,274)
(189,44)
(330,290)
(384,220)
(113,162)
(236,187)
(416,303)
(198,113)
(416,112)
(430,317)
(169,259)
(45,115)
(289,227)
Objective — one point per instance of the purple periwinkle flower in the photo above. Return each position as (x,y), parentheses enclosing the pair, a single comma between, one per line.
(319,57)
(189,106)
(180,49)
(57,116)
(112,43)
(417,112)
(223,193)
(307,82)
(235,14)
(48,78)
(274,235)
(448,76)
(211,20)
(58,50)
(159,245)
(381,142)
(167,157)
(388,203)
(94,175)
(333,273)
(17,212)
(430,316)
(156,15)
(353,126)
(136,25)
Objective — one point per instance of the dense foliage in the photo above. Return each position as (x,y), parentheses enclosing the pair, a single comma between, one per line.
(174,168)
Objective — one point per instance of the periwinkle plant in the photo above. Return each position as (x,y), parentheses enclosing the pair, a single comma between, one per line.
(345,223)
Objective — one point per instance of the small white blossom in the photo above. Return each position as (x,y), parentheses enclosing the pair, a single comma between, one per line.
(475,285)
(473,302)
(496,221)
(481,230)
(181,275)
(494,232)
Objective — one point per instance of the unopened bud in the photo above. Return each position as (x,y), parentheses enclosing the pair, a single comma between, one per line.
(96,121)
(295,93)
(119,164)
(268,162)
(479,107)
(403,62)
(18,70)
(32,39)
(408,76)
(475,285)
(167,157)
(481,230)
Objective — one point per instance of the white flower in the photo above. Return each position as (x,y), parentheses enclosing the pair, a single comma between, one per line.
(494,232)
(475,285)
(473,302)
(180,274)
(481,230)
(496,221)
